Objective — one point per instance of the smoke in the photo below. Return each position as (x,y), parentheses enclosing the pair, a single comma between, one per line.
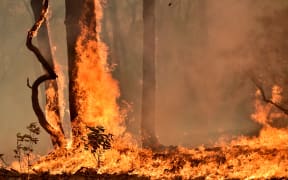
(200,71)
(205,55)
(205,50)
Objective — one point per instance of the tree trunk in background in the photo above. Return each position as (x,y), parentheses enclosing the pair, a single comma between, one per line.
(149,139)
(77,11)
(116,42)
(45,48)
(73,31)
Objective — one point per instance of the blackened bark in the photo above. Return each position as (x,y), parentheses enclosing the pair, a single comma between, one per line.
(42,35)
(73,31)
(45,48)
(149,139)
(79,14)
(51,75)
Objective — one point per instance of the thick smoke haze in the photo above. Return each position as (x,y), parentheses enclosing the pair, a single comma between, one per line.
(204,61)
(203,92)
(205,51)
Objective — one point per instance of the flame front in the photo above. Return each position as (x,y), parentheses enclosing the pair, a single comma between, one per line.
(264,156)
(97,90)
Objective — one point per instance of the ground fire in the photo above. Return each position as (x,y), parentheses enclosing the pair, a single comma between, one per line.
(98,145)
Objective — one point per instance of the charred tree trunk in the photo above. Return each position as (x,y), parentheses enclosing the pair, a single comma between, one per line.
(55,133)
(45,48)
(42,35)
(73,31)
(79,14)
(149,139)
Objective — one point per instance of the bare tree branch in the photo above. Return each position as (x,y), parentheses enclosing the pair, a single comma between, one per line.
(265,99)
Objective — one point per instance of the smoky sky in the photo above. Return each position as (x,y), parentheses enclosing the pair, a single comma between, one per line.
(202,57)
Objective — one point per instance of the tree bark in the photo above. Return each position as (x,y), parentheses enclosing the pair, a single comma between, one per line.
(56,135)
(79,14)
(149,139)
(73,30)
(45,49)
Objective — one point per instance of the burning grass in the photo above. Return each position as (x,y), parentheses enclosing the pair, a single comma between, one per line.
(265,156)
(226,162)
(261,157)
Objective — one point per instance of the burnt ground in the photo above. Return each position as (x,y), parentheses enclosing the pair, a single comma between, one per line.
(12,175)
(88,175)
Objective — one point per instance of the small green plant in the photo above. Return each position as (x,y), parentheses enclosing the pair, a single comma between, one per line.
(98,141)
(25,145)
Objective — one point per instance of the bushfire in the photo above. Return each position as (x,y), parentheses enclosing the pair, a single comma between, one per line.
(263,156)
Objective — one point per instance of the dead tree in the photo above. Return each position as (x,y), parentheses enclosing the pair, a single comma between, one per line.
(56,134)
(149,139)
(44,46)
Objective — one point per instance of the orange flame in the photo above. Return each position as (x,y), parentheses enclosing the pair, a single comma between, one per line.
(51,115)
(98,91)
(264,156)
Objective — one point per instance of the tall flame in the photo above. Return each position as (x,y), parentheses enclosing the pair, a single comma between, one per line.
(97,90)
(264,156)
(264,113)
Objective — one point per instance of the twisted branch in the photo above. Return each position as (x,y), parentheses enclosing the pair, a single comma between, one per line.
(33,32)
(51,75)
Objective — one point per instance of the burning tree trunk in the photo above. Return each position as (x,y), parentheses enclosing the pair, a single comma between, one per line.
(56,133)
(73,30)
(79,14)
(52,104)
(149,138)
(90,104)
